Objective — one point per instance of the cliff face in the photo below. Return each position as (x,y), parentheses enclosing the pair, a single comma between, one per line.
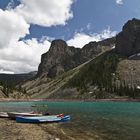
(61,57)
(57,60)
(128,41)
(92,49)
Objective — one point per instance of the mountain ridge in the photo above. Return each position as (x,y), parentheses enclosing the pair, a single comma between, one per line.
(61,57)
(95,71)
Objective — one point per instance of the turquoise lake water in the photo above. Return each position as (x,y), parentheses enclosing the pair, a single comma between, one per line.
(106,120)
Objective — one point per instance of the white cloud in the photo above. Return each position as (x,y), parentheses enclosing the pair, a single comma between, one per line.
(18,56)
(24,56)
(80,39)
(10,5)
(88,26)
(120,2)
(12,28)
(6,72)
(45,12)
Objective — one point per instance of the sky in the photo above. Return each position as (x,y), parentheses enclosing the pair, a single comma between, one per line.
(27,27)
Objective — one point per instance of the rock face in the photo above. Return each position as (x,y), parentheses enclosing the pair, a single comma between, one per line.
(57,60)
(92,49)
(128,41)
(61,57)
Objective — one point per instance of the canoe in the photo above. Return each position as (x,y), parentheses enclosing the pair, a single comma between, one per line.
(13,115)
(3,115)
(42,119)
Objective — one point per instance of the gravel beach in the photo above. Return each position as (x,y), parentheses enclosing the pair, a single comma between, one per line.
(10,130)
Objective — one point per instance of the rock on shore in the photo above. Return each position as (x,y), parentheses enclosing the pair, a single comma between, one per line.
(10,130)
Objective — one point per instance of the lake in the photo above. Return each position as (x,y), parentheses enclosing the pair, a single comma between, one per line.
(92,120)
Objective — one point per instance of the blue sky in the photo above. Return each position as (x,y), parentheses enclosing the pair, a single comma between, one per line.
(75,21)
(99,14)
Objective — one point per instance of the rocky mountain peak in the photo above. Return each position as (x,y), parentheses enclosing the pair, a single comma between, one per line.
(61,57)
(128,41)
(58,46)
(57,59)
(133,24)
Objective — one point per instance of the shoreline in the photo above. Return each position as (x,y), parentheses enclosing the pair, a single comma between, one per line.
(11,130)
(71,100)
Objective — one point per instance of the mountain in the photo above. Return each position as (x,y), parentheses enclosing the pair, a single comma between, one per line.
(58,59)
(128,41)
(8,84)
(60,63)
(94,71)
(16,78)
(61,57)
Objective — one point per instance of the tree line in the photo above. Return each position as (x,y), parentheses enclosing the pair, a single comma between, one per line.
(101,73)
(8,89)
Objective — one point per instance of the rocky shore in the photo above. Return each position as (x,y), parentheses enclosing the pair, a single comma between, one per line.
(10,130)
(72,100)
